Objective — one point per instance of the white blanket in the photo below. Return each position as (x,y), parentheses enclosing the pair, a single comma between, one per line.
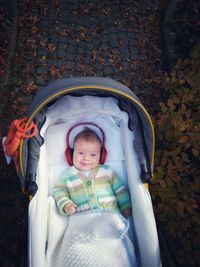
(97,238)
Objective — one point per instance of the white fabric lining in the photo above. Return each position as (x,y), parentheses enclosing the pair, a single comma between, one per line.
(52,163)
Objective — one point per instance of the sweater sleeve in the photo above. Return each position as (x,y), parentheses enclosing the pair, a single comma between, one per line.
(121,193)
(61,195)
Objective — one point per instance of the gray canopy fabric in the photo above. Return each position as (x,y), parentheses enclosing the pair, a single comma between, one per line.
(139,120)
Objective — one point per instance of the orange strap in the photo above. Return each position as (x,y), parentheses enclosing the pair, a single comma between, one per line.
(18,130)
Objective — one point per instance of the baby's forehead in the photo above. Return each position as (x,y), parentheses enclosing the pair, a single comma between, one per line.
(93,146)
(91,141)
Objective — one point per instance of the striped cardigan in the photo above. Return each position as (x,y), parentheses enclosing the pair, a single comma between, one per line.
(100,189)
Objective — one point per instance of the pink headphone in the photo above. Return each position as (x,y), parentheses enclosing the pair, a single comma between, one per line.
(69,151)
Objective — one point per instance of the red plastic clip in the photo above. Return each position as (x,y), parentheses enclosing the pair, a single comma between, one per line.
(18,130)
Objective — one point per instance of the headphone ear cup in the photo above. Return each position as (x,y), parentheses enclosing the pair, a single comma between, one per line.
(103,155)
(69,156)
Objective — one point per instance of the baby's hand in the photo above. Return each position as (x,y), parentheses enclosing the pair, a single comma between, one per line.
(127,213)
(70,208)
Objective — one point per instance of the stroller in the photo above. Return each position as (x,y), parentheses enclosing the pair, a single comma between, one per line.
(130,144)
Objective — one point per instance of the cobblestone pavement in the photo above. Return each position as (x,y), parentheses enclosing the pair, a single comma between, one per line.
(87,38)
(59,39)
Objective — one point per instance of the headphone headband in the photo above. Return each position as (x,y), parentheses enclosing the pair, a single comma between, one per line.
(102,138)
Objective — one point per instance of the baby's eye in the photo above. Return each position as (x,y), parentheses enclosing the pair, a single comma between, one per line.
(80,153)
(93,155)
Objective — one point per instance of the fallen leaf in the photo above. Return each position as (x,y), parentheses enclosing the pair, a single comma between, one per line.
(55,72)
(51,47)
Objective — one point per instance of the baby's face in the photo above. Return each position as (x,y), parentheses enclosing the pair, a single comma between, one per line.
(86,154)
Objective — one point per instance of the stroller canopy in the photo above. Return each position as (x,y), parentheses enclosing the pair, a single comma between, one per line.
(139,120)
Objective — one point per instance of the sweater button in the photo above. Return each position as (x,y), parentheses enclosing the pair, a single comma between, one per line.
(89,182)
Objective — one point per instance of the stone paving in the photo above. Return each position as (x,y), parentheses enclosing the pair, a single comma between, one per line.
(59,39)
(87,38)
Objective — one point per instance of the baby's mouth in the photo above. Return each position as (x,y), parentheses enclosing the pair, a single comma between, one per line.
(85,164)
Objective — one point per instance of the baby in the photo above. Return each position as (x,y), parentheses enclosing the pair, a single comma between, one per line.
(88,184)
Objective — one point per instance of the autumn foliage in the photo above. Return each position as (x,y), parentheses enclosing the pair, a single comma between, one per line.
(175,190)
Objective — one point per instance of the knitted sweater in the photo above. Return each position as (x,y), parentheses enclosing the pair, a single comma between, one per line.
(100,189)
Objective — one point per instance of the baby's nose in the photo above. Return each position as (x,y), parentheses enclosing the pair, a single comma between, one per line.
(87,157)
